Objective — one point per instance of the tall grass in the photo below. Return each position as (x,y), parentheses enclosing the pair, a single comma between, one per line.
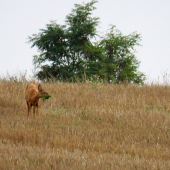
(86,126)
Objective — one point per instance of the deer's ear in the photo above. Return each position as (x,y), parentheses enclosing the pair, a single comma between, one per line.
(39,87)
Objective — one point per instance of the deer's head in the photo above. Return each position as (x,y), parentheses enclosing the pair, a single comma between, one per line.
(41,92)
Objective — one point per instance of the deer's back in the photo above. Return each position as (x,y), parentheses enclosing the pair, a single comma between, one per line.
(31,92)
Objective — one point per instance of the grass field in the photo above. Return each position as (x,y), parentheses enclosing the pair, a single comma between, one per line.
(86,126)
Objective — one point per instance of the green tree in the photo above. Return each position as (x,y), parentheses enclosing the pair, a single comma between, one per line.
(81,29)
(120,63)
(67,51)
(64,50)
(52,45)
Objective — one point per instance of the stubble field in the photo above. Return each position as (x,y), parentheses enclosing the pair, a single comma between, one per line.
(86,126)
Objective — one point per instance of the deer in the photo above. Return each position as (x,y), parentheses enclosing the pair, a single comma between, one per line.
(32,96)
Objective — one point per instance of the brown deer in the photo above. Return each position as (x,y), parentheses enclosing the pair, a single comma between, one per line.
(32,96)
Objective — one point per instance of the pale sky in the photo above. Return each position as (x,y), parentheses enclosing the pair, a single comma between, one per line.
(22,18)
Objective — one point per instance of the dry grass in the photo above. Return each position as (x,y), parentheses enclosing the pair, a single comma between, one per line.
(86,126)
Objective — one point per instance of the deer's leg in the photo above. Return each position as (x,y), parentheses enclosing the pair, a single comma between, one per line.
(37,110)
(34,110)
(28,108)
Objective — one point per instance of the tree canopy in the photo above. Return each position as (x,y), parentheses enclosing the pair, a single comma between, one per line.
(68,52)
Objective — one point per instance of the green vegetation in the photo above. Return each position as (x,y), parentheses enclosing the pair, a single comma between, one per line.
(68,52)
(46,96)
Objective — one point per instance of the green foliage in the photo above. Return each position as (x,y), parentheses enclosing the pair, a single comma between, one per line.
(67,52)
(120,63)
(46,96)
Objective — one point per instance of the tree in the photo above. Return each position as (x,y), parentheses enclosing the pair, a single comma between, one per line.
(52,45)
(120,63)
(67,51)
(66,47)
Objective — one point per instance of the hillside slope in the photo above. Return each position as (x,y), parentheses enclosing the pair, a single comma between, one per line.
(86,126)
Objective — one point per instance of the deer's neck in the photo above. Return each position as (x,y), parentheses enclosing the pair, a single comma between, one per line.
(37,96)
